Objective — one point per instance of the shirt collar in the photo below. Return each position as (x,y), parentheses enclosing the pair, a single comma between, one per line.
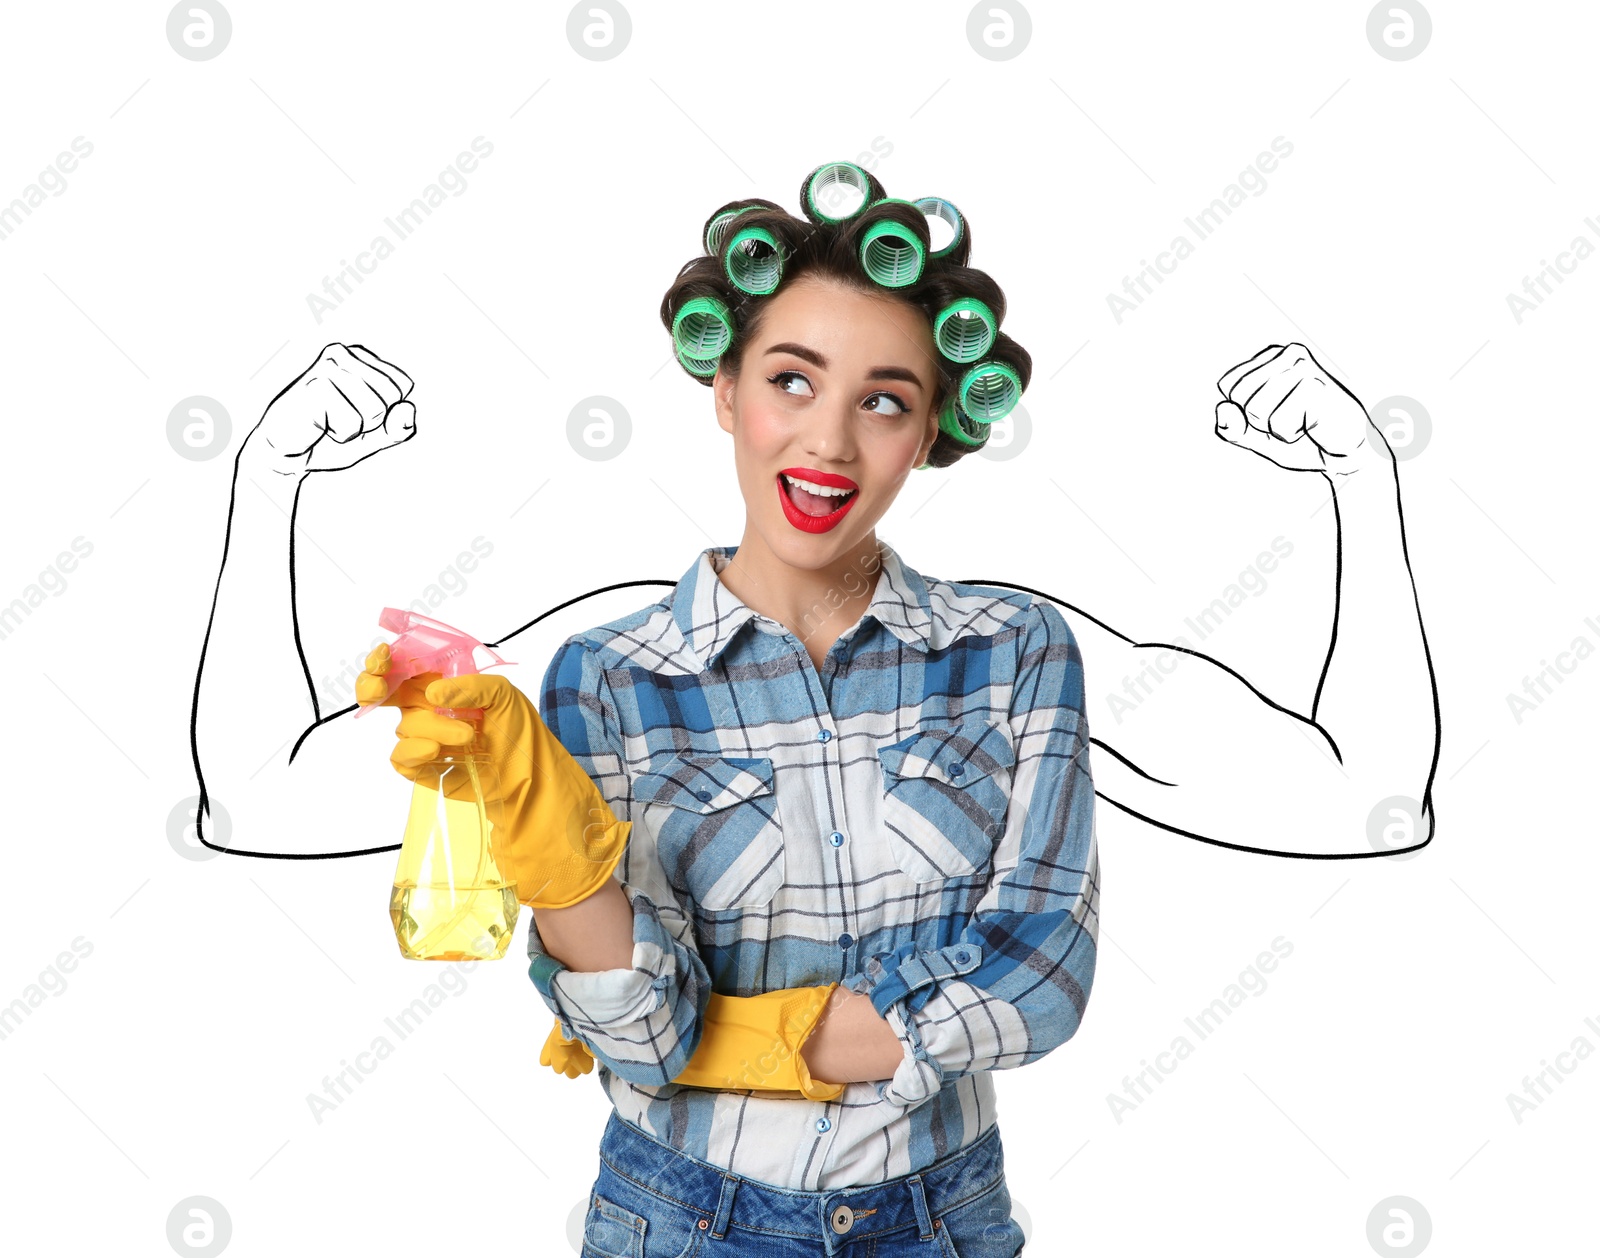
(710,615)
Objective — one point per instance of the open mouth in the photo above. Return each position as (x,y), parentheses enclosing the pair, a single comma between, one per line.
(812,506)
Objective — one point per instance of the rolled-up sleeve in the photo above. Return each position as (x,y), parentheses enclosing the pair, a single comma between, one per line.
(1014,984)
(642,1022)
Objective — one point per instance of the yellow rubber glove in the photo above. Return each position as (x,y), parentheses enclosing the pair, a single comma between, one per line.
(561,839)
(749,1042)
(564,1056)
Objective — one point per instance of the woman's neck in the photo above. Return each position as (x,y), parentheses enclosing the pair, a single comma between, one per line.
(815,604)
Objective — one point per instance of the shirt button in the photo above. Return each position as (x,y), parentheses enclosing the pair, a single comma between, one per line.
(845,940)
(962,956)
(836,839)
(702,796)
(955,770)
(823,1124)
(823,735)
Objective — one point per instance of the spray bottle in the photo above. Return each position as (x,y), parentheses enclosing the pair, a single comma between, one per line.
(450,900)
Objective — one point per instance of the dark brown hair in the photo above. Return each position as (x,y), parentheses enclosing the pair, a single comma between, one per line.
(815,246)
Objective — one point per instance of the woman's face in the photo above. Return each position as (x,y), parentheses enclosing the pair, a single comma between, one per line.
(836,389)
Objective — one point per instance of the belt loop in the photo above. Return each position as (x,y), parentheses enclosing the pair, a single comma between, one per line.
(919,1203)
(730,1185)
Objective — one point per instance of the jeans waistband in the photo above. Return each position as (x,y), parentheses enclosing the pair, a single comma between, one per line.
(726,1200)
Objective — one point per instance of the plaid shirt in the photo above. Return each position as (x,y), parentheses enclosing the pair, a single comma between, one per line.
(915,821)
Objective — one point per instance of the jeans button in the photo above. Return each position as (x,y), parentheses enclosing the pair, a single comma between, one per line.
(841,1219)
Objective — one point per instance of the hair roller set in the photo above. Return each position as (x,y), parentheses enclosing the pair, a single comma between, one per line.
(701,330)
(892,254)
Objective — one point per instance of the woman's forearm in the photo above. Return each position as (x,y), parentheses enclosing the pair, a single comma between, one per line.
(1377,699)
(851,1042)
(594,934)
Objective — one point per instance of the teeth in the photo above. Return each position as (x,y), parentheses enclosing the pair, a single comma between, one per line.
(816,489)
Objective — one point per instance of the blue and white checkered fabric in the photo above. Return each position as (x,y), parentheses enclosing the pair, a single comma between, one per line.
(914,821)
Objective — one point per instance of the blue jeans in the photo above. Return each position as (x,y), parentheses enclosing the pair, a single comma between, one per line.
(651,1201)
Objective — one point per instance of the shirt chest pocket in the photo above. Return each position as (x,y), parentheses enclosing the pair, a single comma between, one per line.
(946,791)
(716,826)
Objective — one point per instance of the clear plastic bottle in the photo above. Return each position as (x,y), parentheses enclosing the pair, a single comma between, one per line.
(451,901)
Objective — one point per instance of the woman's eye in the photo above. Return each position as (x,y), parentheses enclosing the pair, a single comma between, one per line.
(783,377)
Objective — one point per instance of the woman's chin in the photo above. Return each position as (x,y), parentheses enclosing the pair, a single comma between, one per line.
(802,549)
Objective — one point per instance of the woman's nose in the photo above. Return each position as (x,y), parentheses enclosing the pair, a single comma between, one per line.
(831,434)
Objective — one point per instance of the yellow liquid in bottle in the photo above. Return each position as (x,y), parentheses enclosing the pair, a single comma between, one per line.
(450,901)
(454,923)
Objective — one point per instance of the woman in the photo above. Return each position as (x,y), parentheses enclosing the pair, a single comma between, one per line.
(841,779)
(902,811)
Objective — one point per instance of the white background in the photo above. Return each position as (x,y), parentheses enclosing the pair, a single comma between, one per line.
(177,262)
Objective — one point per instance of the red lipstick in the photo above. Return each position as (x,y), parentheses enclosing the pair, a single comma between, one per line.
(828,480)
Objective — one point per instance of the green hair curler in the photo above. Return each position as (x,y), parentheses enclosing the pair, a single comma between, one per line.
(891,254)
(702,329)
(716,229)
(946,212)
(989,390)
(698,366)
(965,329)
(753,261)
(831,185)
(955,421)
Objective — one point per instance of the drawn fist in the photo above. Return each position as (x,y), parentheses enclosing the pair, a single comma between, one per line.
(345,407)
(1285,407)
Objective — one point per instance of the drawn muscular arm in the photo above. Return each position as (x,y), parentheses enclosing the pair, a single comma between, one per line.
(254,702)
(1195,748)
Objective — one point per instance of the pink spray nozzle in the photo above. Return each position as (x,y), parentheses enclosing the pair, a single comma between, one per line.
(426,645)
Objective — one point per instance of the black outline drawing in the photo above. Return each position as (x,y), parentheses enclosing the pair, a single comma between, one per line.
(748,246)
(1426,802)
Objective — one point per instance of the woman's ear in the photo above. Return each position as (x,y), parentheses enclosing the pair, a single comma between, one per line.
(929,437)
(722,388)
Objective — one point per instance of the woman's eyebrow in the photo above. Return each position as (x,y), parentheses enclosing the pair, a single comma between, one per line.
(816,359)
